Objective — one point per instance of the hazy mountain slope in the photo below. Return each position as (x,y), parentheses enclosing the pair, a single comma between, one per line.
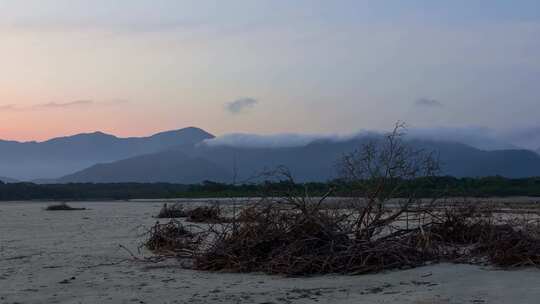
(317,161)
(464,161)
(169,166)
(313,162)
(7,180)
(307,163)
(64,155)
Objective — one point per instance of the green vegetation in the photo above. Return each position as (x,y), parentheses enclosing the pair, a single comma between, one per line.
(427,187)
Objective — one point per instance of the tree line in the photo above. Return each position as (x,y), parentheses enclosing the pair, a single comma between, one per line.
(427,186)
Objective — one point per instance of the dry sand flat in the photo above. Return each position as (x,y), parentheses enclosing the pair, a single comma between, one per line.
(74,257)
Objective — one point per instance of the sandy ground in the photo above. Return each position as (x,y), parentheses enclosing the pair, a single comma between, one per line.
(74,257)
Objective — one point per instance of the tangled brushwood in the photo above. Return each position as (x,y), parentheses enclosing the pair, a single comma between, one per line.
(298,241)
(369,232)
(172,211)
(173,239)
(278,238)
(206,214)
(201,214)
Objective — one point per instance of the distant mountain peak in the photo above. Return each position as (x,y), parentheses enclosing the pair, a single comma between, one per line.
(183,131)
(97,135)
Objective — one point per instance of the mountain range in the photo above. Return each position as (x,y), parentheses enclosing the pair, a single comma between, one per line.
(183,156)
(65,155)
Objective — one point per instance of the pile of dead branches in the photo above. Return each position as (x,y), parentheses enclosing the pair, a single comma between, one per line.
(172,239)
(280,240)
(62,207)
(206,214)
(468,233)
(173,211)
(305,238)
(291,241)
(202,214)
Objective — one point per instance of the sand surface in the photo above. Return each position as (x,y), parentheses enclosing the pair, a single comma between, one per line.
(74,257)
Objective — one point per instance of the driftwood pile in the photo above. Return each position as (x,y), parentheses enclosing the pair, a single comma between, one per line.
(201,214)
(172,239)
(206,214)
(62,207)
(172,211)
(308,240)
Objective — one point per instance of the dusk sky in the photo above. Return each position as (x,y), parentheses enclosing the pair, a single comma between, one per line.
(135,67)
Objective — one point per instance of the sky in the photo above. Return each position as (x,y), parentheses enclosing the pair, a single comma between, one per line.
(136,67)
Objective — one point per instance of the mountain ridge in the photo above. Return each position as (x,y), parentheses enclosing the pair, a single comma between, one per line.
(185,156)
(101,133)
(64,155)
(315,161)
